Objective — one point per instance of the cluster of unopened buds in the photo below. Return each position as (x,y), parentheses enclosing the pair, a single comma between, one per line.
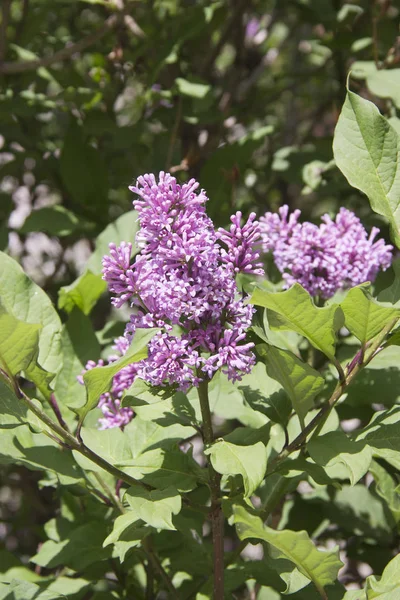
(183,282)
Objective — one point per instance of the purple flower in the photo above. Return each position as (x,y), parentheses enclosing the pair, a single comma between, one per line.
(241,242)
(336,255)
(183,279)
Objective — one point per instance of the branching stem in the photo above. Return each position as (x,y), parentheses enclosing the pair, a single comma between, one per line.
(74,444)
(216,514)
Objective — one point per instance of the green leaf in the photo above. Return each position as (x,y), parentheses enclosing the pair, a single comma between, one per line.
(99,379)
(391,294)
(341,457)
(189,88)
(28,303)
(301,382)
(154,507)
(145,435)
(84,292)
(54,220)
(320,567)
(12,410)
(382,434)
(84,172)
(27,590)
(386,587)
(110,444)
(265,395)
(163,468)
(387,488)
(363,316)
(385,83)
(124,229)
(128,533)
(78,345)
(294,309)
(227,401)
(366,150)
(83,548)
(248,461)
(18,342)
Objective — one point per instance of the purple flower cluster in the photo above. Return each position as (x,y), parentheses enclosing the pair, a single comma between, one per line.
(183,282)
(336,255)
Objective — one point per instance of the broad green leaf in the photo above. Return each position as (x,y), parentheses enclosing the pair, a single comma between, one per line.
(164,468)
(391,294)
(154,507)
(83,548)
(364,317)
(366,150)
(54,220)
(37,452)
(248,461)
(340,456)
(387,488)
(27,590)
(385,83)
(382,434)
(144,435)
(84,172)
(294,309)
(189,88)
(84,292)
(141,393)
(110,444)
(124,229)
(266,395)
(386,587)
(28,303)
(127,534)
(321,567)
(301,382)
(18,342)
(99,379)
(78,345)
(227,401)
(12,410)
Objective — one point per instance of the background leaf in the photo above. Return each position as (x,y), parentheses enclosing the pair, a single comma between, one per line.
(366,150)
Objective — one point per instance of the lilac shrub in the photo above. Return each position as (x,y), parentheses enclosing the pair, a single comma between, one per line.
(333,256)
(182,282)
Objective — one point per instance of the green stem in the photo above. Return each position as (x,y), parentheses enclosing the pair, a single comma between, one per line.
(158,568)
(340,388)
(74,444)
(216,514)
(109,493)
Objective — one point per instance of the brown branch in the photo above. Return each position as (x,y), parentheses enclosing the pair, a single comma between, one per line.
(65,53)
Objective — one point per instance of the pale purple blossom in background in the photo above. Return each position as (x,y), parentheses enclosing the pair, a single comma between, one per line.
(336,255)
(183,282)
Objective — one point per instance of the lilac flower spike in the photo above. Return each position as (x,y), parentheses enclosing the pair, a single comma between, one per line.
(241,242)
(336,255)
(182,281)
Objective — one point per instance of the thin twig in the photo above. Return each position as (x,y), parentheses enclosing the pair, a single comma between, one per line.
(73,443)
(56,409)
(216,514)
(351,372)
(156,563)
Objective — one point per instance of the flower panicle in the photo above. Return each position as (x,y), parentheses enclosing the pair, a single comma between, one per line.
(183,281)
